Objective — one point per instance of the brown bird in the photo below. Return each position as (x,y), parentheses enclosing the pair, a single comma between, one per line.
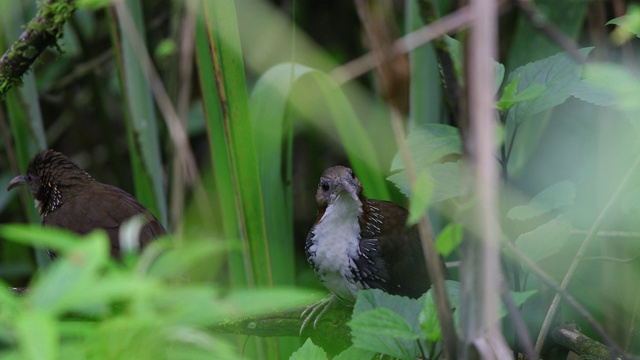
(359,243)
(68,197)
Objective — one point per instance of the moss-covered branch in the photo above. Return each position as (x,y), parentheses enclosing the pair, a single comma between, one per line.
(569,336)
(41,32)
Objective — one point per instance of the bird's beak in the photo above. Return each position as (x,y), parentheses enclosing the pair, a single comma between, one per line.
(350,189)
(17,181)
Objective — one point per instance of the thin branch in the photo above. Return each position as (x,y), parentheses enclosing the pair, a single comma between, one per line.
(481,273)
(40,33)
(518,322)
(546,325)
(453,22)
(561,292)
(435,271)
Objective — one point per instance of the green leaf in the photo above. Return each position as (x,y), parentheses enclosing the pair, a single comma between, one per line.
(355,353)
(406,310)
(553,197)
(61,288)
(422,191)
(429,318)
(449,239)
(445,180)
(559,74)
(620,83)
(37,335)
(545,240)
(518,299)
(429,143)
(627,25)
(309,351)
(382,322)
(510,96)
(509,93)
(53,238)
(382,342)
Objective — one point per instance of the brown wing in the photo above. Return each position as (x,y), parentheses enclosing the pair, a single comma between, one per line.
(106,207)
(400,249)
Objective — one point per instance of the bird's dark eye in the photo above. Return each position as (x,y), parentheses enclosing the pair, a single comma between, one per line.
(29,177)
(353,176)
(324,185)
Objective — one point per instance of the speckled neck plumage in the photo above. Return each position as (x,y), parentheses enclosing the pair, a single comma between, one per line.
(58,179)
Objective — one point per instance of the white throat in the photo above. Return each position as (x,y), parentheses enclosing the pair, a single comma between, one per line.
(335,245)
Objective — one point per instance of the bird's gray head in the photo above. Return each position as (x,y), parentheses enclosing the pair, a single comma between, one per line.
(335,182)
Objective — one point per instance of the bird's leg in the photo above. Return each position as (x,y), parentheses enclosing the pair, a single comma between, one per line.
(319,308)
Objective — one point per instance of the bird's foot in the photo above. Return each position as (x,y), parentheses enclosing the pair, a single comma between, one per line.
(316,310)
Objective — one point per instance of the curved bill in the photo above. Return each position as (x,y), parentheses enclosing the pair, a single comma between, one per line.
(16,181)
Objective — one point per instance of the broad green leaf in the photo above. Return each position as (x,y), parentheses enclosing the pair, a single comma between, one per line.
(553,197)
(421,198)
(449,239)
(61,288)
(510,96)
(429,143)
(627,25)
(309,351)
(545,240)
(518,298)
(446,181)
(405,309)
(618,82)
(559,74)
(220,150)
(379,334)
(355,353)
(39,236)
(429,319)
(382,322)
(37,335)
(225,55)
(509,93)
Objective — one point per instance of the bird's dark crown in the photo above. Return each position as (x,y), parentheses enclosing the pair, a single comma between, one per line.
(50,176)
